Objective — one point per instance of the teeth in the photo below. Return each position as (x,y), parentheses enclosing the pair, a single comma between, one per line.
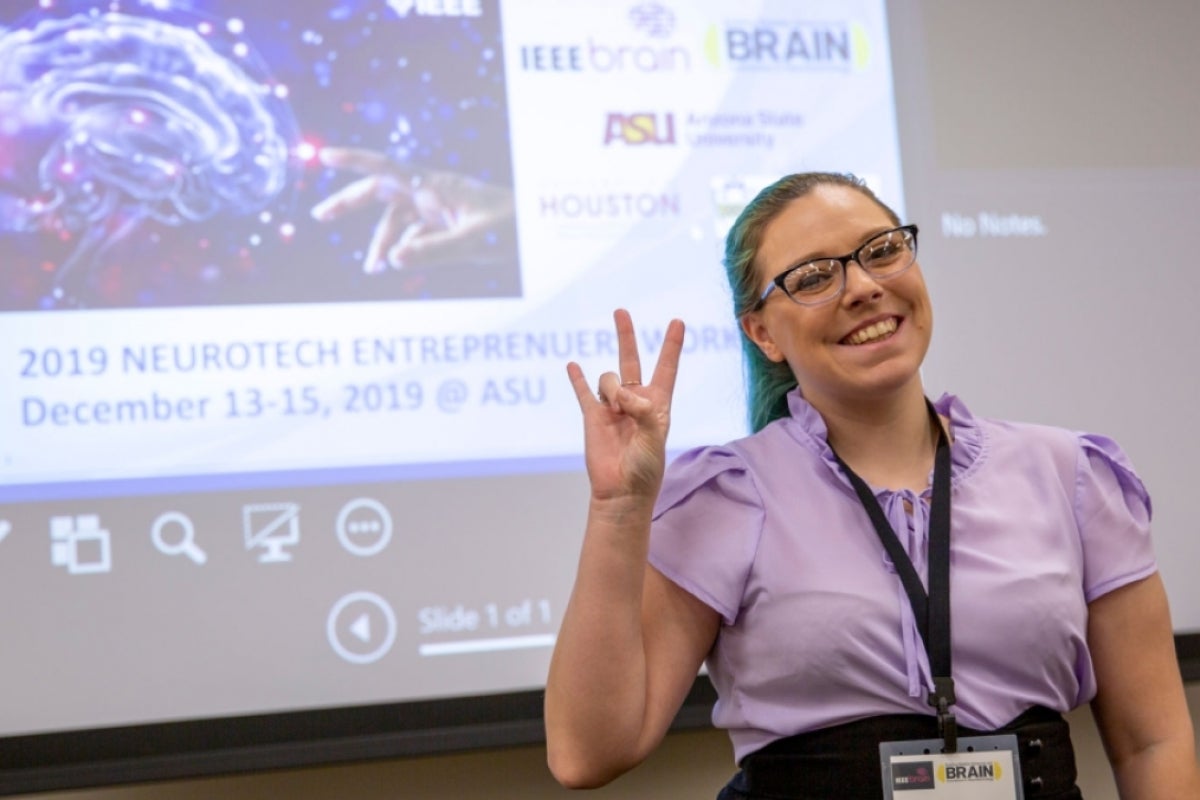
(872,332)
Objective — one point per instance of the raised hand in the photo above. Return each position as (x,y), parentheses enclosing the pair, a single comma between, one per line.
(428,215)
(626,421)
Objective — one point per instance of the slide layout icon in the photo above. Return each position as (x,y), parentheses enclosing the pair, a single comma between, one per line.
(80,544)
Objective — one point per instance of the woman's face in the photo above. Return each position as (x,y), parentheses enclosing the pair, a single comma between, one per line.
(831,349)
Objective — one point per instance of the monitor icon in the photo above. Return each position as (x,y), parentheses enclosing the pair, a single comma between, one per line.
(273,527)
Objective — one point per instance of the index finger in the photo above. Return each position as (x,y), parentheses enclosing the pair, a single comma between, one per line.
(579,383)
(362,192)
(361,160)
(667,366)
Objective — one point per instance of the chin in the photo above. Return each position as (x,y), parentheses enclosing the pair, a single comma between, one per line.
(885,380)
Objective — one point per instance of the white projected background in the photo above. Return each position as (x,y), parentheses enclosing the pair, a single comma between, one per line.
(244,419)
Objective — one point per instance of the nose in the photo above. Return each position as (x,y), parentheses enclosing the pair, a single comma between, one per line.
(860,286)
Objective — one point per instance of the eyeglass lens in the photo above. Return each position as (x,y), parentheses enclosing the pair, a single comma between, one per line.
(884,255)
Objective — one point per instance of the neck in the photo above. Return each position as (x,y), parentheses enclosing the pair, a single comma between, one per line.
(888,441)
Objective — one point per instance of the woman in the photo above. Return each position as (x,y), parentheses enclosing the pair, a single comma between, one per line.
(762,557)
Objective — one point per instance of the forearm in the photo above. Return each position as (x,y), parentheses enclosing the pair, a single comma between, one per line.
(1163,771)
(596,690)
(1140,706)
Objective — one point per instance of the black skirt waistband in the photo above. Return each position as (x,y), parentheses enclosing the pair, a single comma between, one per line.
(842,761)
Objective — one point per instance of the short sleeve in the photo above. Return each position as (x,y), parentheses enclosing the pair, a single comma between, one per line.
(706,527)
(1112,508)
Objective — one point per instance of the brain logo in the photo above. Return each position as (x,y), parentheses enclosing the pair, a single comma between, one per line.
(131,119)
(655,20)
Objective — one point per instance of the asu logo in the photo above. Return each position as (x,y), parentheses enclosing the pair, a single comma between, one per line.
(640,128)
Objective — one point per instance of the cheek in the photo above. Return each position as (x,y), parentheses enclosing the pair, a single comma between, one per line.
(925,313)
(804,342)
(915,290)
(913,295)
(798,332)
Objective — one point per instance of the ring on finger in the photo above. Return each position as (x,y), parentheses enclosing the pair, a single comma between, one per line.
(631,383)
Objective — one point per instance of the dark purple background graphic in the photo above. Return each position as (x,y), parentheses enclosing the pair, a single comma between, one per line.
(168,157)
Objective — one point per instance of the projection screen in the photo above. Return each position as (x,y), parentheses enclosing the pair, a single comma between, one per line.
(290,469)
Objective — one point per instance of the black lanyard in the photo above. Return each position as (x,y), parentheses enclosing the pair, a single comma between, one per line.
(932,611)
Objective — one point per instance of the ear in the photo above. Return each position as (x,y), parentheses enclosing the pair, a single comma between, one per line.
(756,331)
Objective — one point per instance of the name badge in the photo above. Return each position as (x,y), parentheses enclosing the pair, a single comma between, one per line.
(984,768)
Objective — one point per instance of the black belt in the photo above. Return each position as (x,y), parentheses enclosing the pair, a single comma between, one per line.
(843,761)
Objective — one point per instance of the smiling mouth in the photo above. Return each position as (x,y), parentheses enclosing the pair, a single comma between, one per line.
(873,333)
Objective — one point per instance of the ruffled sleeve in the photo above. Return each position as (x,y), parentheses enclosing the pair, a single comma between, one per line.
(1112,508)
(706,527)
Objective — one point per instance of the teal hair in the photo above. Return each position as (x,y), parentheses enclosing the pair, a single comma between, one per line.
(768,382)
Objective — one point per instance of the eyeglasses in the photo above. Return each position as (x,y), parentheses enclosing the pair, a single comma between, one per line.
(821,280)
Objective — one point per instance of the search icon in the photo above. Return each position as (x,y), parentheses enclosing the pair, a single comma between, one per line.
(187,537)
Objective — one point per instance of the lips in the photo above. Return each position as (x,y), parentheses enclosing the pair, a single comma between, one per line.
(875,331)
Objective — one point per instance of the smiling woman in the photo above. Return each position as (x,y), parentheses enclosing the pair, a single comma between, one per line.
(822,342)
(810,564)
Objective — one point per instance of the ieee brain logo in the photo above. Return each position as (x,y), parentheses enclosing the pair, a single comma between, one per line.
(655,20)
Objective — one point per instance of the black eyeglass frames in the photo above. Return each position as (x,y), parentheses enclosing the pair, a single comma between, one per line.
(820,280)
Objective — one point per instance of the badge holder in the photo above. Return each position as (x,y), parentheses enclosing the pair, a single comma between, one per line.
(983,768)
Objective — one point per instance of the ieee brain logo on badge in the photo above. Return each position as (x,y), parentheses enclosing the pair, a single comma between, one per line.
(908,775)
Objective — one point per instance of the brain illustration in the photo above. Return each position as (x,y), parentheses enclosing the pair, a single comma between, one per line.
(132,119)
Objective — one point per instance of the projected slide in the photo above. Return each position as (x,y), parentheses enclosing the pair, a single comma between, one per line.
(287,290)
(274,238)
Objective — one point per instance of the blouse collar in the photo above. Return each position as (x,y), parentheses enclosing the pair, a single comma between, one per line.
(967,446)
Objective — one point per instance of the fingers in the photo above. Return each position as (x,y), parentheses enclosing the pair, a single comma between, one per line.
(419,241)
(390,228)
(620,390)
(583,392)
(408,179)
(362,192)
(429,246)
(357,159)
(610,389)
(665,369)
(667,366)
(610,393)
(627,352)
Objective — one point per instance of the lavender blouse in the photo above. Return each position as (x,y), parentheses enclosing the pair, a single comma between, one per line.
(817,628)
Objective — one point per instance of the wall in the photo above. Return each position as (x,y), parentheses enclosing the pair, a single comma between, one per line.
(688,765)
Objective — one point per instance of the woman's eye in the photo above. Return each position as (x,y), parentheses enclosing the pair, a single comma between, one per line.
(885,253)
(809,280)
